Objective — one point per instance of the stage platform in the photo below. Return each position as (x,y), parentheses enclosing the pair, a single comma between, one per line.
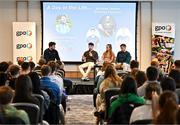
(82,87)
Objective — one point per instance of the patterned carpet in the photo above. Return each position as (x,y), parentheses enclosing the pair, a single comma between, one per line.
(81,107)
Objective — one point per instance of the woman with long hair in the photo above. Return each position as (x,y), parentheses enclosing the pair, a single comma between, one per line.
(23,90)
(167,106)
(111,80)
(108,56)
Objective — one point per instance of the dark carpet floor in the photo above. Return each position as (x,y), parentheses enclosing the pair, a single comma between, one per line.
(81,107)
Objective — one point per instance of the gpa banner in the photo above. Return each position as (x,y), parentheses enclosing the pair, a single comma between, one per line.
(163,38)
(24,41)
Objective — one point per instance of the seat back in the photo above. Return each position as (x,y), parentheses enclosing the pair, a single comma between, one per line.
(122,113)
(31,109)
(108,94)
(41,100)
(143,122)
(113,98)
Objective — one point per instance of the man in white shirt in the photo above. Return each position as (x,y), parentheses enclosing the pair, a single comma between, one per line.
(144,112)
(152,74)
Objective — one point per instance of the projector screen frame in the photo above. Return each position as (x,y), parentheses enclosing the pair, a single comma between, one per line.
(80,62)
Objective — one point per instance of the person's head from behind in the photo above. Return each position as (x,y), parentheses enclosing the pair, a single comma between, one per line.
(4,66)
(155,63)
(152,73)
(52,45)
(168,105)
(32,65)
(108,47)
(60,64)
(45,70)
(35,82)
(41,62)
(25,68)
(105,64)
(152,88)
(177,64)
(3,78)
(14,71)
(110,71)
(20,61)
(129,86)
(134,64)
(123,47)
(90,46)
(175,74)
(168,83)
(23,86)
(6,95)
(140,78)
(53,66)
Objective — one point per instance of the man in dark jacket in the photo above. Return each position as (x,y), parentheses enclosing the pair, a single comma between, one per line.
(50,54)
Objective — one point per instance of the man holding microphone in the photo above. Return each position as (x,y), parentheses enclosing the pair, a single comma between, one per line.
(89,58)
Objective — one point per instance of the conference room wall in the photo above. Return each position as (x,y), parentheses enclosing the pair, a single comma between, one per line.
(156,12)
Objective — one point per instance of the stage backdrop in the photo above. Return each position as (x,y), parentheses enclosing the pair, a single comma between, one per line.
(24,41)
(163,38)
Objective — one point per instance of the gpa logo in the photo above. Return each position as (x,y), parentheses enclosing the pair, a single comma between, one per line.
(27,58)
(24,33)
(163,28)
(27,45)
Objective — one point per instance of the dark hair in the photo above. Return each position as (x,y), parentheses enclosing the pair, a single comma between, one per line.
(6,95)
(20,61)
(91,44)
(152,87)
(32,65)
(25,66)
(177,63)
(152,73)
(23,87)
(14,70)
(123,45)
(45,70)
(168,103)
(168,83)
(134,64)
(3,78)
(35,82)
(129,85)
(140,78)
(175,74)
(52,44)
(4,66)
(53,66)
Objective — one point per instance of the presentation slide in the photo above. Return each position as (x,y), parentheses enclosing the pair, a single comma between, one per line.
(72,25)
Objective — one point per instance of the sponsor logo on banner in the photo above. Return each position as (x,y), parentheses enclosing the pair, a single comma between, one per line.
(24,33)
(167,28)
(27,45)
(26,58)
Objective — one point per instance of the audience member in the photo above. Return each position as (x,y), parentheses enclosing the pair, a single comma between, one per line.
(177,64)
(128,95)
(168,83)
(144,112)
(25,68)
(14,72)
(168,105)
(4,66)
(47,84)
(178,116)
(32,66)
(23,90)
(6,97)
(175,74)
(140,78)
(152,74)
(37,69)
(3,78)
